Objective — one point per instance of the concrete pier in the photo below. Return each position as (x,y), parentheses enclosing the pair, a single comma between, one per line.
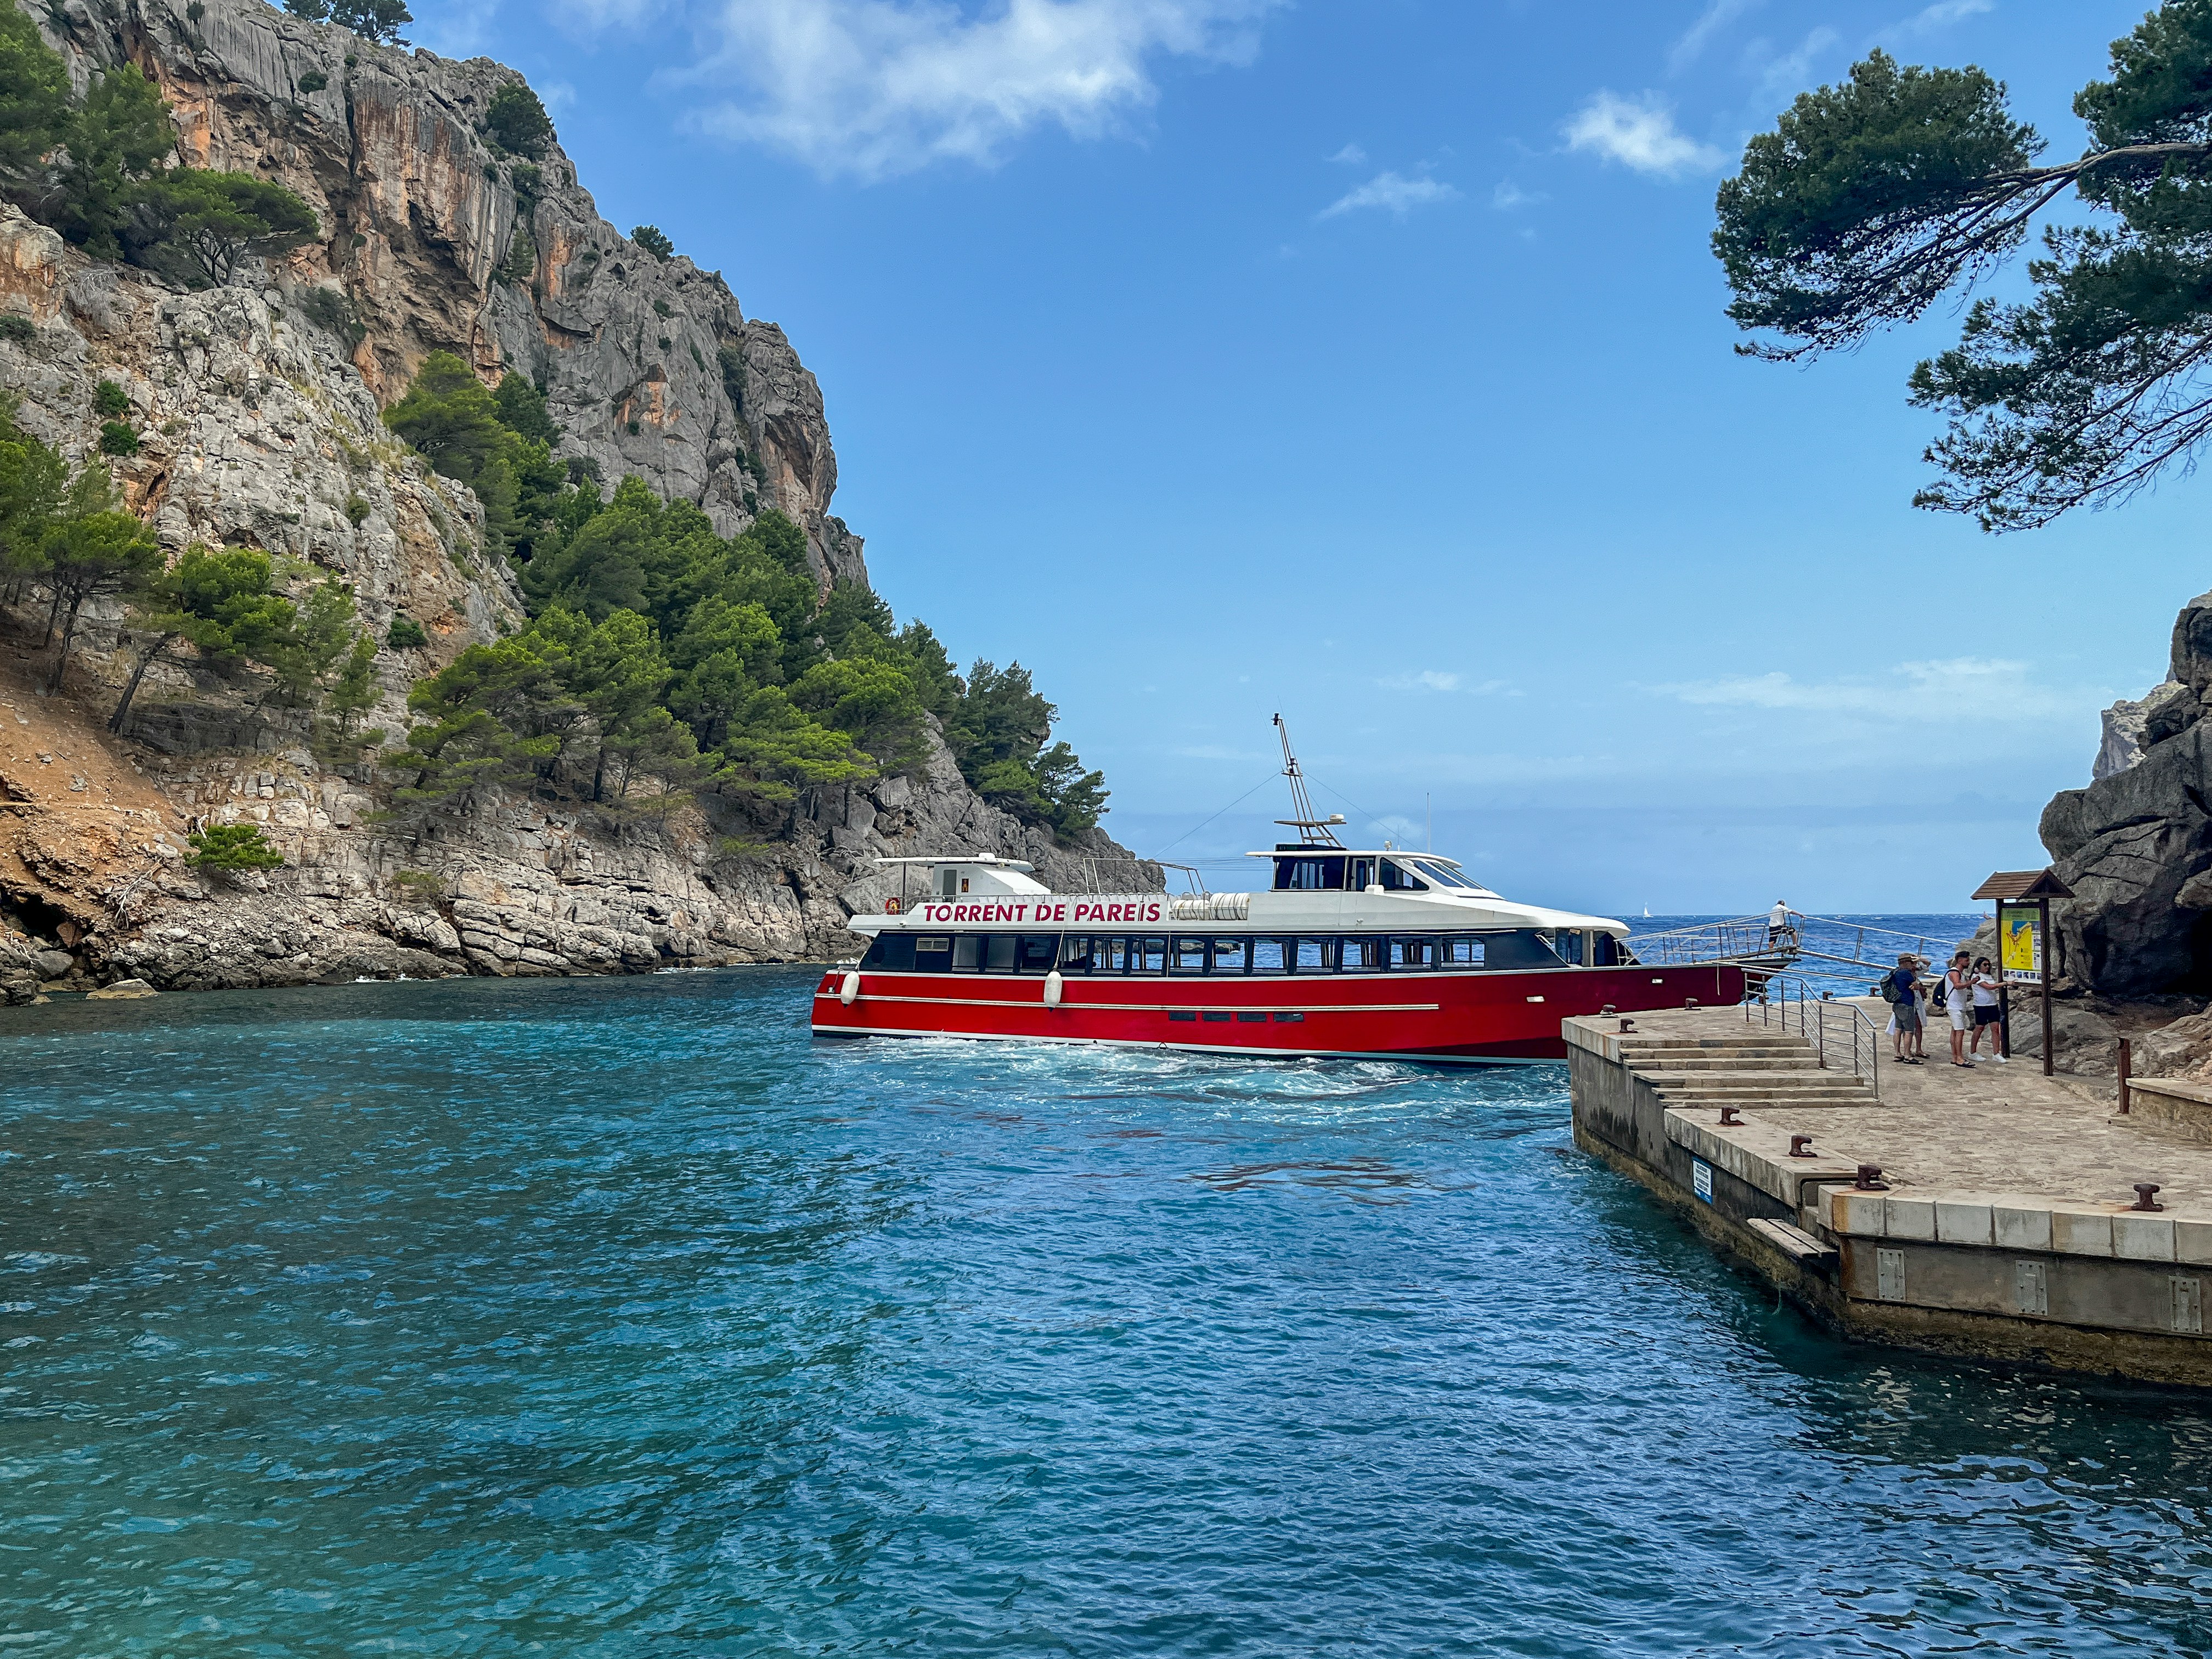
(2005,1224)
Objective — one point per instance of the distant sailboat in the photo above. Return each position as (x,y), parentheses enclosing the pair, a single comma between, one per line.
(1647,909)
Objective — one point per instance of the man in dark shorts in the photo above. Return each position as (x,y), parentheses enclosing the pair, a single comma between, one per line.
(1902,991)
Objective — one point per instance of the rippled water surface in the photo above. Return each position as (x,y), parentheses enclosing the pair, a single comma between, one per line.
(597,1319)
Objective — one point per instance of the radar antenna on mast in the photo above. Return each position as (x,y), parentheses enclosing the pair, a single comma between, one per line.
(1313,831)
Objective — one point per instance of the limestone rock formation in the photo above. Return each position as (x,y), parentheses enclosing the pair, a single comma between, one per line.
(441,241)
(2120,743)
(257,425)
(2135,846)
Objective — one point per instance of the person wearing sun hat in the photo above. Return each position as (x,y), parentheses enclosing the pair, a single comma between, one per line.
(1900,989)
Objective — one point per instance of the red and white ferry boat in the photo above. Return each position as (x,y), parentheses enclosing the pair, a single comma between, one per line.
(1375,953)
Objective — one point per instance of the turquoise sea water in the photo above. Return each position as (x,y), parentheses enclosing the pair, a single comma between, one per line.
(621,1318)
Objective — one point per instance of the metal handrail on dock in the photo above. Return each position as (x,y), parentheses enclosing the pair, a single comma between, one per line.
(1787,1003)
(1735,938)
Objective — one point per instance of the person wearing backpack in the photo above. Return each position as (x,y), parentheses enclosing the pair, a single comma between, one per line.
(1900,989)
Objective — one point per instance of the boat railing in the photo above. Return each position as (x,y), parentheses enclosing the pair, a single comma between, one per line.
(1841,1033)
(1120,876)
(1210,907)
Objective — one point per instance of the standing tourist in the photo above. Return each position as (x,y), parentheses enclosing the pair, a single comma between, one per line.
(1959,1003)
(1777,923)
(1987,1009)
(1900,989)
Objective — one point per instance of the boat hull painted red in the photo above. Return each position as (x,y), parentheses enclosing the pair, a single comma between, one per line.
(1464,1019)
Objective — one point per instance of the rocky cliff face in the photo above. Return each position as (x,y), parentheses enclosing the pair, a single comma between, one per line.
(2135,846)
(443,244)
(257,427)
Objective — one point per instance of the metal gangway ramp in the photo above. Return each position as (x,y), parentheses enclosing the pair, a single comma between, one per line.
(1842,949)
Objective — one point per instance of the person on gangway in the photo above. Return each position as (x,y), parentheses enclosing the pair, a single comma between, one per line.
(1777,923)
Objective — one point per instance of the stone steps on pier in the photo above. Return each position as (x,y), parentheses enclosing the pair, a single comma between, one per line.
(1747,1069)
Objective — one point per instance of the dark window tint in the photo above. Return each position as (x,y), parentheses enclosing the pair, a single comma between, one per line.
(1316,955)
(1193,1017)
(1075,953)
(1036,953)
(1189,956)
(998,953)
(1442,874)
(1395,880)
(893,952)
(1608,953)
(1219,1017)
(932,952)
(968,953)
(1415,954)
(1359,956)
(1290,1019)
(1310,875)
(1519,950)
(1362,875)
(1253,1018)
(1569,944)
(1232,956)
(1148,956)
(1270,956)
(1463,951)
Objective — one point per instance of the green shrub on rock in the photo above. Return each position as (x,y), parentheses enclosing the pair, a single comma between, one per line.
(109,399)
(118,439)
(233,847)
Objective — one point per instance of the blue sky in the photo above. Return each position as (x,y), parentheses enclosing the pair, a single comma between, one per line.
(1368,362)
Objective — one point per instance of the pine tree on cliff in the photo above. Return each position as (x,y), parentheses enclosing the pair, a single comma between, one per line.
(380,20)
(221,602)
(89,555)
(34,98)
(1872,199)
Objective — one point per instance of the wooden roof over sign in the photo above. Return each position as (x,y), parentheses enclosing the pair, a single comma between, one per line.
(2008,886)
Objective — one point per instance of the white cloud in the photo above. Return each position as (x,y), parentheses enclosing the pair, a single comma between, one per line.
(459,28)
(879,88)
(1943,14)
(1394,192)
(1509,196)
(1784,75)
(1436,679)
(1640,134)
(591,17)
(1716,17)
(1954,689)
(1350,155)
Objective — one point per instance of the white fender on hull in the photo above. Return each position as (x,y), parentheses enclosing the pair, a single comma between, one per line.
(1053,986)
(850,992)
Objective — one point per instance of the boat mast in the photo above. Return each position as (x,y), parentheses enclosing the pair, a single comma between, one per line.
(1313,831)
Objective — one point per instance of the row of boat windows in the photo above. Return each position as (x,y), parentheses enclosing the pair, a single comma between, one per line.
(1198,953)
(1356,873)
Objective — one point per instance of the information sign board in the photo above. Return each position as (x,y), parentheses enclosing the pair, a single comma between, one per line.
(2020,941)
